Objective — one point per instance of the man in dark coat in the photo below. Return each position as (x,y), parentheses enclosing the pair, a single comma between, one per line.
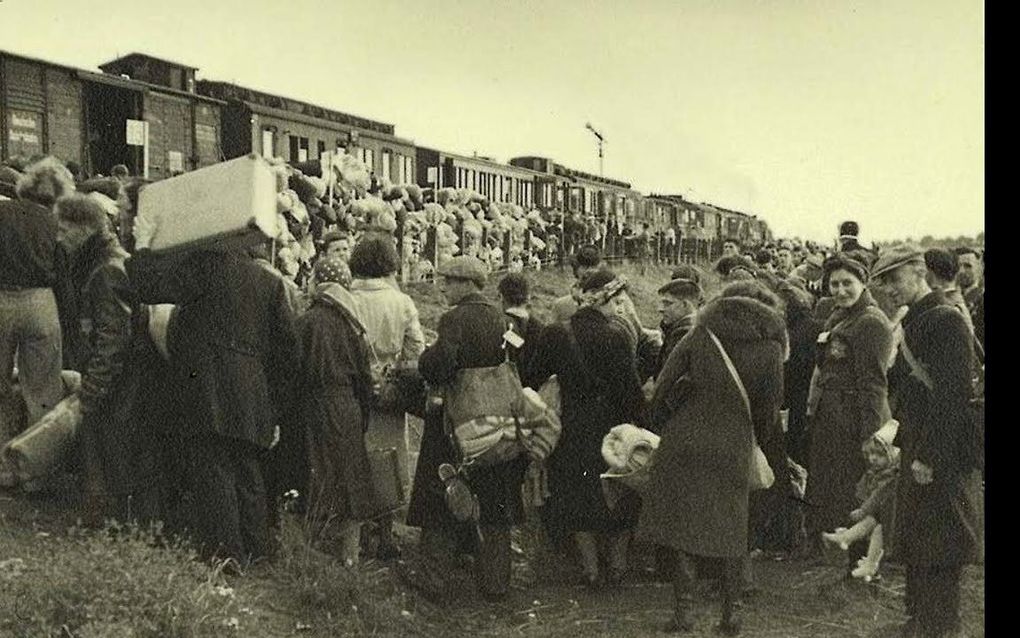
(470,335)
(938,511)
(848,243)
(514,293)
(972,286)
(234,351)
(117,445)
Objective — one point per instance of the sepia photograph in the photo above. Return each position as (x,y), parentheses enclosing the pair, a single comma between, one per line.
(499,318)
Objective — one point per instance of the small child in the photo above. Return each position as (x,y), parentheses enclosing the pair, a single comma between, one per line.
(875,491)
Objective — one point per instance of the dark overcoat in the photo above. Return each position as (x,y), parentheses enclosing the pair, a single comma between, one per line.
(118,441)
(233,344)
(470,335)
(599,389)
(334,395)
(528,328)
(852,405)
(940,523)
(671,336)
(803,329)
(696,499)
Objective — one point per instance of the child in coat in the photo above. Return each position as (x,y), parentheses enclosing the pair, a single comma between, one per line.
(876,492)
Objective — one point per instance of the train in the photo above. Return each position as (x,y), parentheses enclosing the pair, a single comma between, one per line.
(155,117)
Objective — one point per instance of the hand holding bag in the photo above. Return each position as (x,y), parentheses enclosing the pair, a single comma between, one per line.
(761,475)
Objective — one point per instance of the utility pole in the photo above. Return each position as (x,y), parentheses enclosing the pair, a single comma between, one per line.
(601,140)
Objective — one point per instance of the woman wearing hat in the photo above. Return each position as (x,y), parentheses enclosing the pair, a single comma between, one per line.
(848,401)
(592,356)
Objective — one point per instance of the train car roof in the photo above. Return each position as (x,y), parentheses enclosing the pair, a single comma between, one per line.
(109,78)
(135,55)
(246,93)
(482,159)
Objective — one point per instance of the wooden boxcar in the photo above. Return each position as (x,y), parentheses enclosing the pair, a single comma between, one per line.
(83,116)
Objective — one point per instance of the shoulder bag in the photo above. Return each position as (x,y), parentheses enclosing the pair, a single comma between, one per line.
(761,476)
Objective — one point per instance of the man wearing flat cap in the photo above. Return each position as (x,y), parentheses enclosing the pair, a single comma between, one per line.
(938,498)
(470,335)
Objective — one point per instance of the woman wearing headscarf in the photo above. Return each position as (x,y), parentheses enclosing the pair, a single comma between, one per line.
(848,401)
(696,501)
(335,391)
(593,358)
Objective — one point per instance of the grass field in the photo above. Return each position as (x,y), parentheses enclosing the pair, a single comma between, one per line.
(58,581)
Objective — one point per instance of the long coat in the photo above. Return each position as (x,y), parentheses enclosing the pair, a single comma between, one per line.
(696,499)
(803,329)
(335,390)
(233,343)
(599,389)
(852,405)
(939,523)
(470,336)
(117,440)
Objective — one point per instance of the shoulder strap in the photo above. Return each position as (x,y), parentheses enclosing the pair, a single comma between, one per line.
(733,373)
(917,369)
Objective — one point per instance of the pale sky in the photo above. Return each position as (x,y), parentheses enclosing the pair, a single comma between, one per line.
(805,113)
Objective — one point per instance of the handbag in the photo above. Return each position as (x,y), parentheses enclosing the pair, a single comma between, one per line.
(397,388)
(761,476)
(386,481)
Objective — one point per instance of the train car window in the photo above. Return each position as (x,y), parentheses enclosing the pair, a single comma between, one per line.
(295,148)
(408,170)
(302,154)
(268,143)
(386,164)
(321,147)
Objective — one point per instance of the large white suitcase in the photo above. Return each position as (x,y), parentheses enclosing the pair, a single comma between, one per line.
(224,199)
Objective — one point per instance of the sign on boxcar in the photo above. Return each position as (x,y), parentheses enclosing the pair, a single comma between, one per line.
(136,132)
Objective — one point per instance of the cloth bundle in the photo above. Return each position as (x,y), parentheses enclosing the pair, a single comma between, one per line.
(533,427)
(628,450)
(39,450)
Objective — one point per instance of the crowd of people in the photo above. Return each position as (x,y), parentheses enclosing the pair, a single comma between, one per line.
(212,385)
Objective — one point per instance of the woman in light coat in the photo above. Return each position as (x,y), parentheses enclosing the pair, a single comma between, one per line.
(395,339)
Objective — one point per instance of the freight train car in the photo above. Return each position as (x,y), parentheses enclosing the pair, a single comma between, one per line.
(276,126)
(132,113)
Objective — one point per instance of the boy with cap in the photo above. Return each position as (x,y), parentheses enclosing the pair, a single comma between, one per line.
(587,259)
(679,301)
(938,497)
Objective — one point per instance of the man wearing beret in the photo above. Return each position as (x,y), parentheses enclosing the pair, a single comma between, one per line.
(938,500)
(470,335)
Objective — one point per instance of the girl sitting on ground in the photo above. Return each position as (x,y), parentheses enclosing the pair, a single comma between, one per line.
(875,491)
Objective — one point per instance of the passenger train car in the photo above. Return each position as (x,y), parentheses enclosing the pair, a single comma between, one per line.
(153,116)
